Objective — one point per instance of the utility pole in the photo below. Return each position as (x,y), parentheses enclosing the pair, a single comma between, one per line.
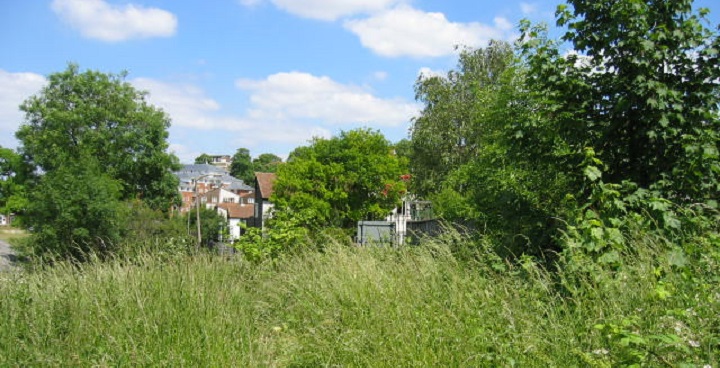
(197,210)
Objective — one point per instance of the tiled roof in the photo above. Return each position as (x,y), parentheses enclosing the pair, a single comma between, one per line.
(265,182)
(236,210)
(199,169)
(238,184)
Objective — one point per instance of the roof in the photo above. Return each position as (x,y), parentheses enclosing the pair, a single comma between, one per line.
(238,184)
(265,183)
(199,169)
(236,210)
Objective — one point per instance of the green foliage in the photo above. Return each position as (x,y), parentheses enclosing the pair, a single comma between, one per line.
(146,230)
(101,116)
(211,225)
(341,307)
(339,181)
(468,156)
(266,162)
(242,166)
(203,159)
(449,131)
(98,145)
(631,120)
(284,233)
(75,210)
(15,174)
(641,92)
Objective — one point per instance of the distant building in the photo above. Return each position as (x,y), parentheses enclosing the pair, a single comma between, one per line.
(264,183)
(221,161)
(238,215)
(203,178)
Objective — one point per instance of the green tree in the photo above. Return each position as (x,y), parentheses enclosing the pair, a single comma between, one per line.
(339,181)
(641,92)
(211,225)
(448,132)
(464,155)
(203,159)
(99,145)
(75,210)
(266,162)
(96,116)
(15,174)
(242,166)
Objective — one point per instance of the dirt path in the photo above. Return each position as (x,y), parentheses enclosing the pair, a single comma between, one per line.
(7,257)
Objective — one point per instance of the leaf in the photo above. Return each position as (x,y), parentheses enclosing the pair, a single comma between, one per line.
(677,258)
(611,257)
(592,173)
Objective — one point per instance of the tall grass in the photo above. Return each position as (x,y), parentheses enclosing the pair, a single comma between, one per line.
(369,307)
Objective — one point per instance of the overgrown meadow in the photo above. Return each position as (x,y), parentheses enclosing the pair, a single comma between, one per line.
(376,307)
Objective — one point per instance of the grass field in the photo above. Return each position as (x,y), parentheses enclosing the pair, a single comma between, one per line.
(9,234)
(353,307)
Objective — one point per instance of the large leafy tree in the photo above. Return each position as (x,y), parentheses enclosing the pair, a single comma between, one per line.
(203,159)
(97,145)
(81,117)
(448,131)
(267,162)
(242,166)
(338,181)
(464,152)
(640,91)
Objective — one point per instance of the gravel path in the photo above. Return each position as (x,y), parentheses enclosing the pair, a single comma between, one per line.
(7,257)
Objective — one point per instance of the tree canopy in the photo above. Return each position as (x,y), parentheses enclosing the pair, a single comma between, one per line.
(242,166)
(338,181)
(203,159)
(266,162)
(96,144)
(92,116)
(641,91)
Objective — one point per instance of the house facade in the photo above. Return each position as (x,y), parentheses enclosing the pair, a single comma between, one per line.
(238,216)
(263,190)
(221,161)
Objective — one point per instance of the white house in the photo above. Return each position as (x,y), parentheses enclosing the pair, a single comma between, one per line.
(237,215)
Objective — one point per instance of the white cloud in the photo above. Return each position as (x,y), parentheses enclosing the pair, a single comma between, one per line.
(183,152)
(300,96)
(380,75)
(99,20)
(186,104)
(528,8)
(426,72)
(405,31)
(14,89)
(331,9)
(503,24)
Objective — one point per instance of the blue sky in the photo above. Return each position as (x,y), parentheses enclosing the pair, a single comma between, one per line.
(266,75)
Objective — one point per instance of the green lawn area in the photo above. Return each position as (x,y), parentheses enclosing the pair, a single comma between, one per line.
(9,234)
